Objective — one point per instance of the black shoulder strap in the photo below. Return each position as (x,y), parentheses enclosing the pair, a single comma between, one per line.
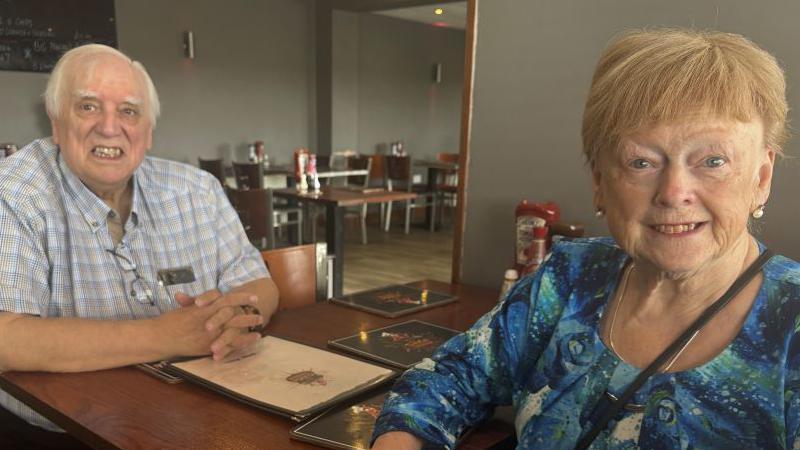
(614,408)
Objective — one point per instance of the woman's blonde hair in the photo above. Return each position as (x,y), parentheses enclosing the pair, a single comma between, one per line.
(658,75)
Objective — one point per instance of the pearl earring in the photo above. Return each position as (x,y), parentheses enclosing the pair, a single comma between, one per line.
(599,213)
(758,212)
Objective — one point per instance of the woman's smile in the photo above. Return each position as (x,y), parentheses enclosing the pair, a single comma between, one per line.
(678,229)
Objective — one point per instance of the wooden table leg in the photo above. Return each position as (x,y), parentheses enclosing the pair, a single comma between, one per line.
(334,236)
(309,224)
(433,175)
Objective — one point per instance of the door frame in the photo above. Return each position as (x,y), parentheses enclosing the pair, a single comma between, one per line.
(470,41)
(323,24)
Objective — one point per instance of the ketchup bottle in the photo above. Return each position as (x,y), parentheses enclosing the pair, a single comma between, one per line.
(538,249)
(528,217)
(259,145)
(300,161)
(311,171)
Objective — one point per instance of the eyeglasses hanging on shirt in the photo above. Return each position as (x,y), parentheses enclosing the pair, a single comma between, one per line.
(139,289)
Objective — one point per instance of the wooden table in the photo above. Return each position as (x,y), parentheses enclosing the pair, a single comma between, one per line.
(288,173)
(127,408)
(322,171)
(335,200)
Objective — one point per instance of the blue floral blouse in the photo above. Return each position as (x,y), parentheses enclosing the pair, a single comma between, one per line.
(540,350)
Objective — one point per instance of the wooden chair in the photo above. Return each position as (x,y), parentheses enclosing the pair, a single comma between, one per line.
(248,175)
(398,177)
(302,274)
(565,229)
(359,162)
(377,171)
(214,167)
(260,217)
(447,184)
(323,161)
(377,177)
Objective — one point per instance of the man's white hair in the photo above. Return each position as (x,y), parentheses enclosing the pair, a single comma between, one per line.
(54,93)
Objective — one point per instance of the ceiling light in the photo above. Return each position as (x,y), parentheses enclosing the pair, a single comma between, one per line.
(438,11)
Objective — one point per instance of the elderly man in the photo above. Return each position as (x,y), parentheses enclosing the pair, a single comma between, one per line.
(109,257)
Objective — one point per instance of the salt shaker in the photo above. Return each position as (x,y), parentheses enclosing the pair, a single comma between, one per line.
(302,183)
(259,147)
(509,279)
(313,181)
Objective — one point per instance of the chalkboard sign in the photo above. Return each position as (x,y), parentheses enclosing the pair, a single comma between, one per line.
(35,33)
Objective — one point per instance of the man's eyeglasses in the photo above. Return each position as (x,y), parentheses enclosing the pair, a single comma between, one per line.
(138,288)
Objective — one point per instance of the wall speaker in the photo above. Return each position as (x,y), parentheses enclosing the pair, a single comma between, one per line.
(437,72)
(188,44)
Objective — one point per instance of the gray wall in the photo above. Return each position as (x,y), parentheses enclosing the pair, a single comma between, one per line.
(251,78)
(23,117)
(534,63)
(391,96)
(345,81)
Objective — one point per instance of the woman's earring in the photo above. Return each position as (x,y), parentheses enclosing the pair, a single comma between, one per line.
(600,213)
(758,212)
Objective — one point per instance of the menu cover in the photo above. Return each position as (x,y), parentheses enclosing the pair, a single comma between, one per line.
(348,427)
(285,377)
(401,345)
(395,300)
(160,370)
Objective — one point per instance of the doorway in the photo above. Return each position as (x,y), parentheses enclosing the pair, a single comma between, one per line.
(384,76)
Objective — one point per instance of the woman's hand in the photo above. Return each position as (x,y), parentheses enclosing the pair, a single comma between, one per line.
(397,440)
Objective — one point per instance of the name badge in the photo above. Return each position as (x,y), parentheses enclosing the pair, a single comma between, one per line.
(178,275)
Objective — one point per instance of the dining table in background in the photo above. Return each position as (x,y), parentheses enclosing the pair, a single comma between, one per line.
(127,408)
(335,200)
(287,173)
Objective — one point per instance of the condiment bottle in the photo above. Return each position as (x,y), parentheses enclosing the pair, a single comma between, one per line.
(528,216)
(259,145)
(509,279)
(311,171)
(300,161)
(538,249)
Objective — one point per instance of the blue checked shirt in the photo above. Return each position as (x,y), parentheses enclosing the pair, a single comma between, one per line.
(58,259)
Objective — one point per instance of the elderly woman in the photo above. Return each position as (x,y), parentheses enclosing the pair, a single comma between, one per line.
(680,130)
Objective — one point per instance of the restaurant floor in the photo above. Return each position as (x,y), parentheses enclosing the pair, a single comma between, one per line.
(395,257)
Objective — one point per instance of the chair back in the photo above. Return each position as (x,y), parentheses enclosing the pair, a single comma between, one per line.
(255,209)
(214,167)
(398,170)
(300,273)
(248,175)
(449,182)
(377,170)
(447,157)
(359,162)
(323,161)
